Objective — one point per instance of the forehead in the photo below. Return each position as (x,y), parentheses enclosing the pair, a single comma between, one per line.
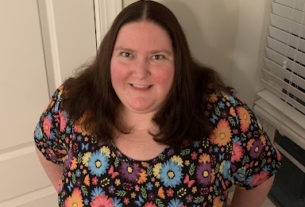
(143,33)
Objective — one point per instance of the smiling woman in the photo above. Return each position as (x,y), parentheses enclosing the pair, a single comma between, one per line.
(145,125)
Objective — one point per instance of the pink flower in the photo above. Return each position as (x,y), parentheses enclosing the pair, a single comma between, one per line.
(237,152)
(150,204)
(101,201)
(47,126)
(63,121)
(259,178)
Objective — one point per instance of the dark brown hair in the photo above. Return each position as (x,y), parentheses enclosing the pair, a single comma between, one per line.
(181,118)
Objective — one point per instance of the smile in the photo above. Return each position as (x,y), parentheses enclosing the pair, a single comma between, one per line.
(140,86)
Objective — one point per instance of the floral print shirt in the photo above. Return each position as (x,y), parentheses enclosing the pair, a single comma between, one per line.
(238,152)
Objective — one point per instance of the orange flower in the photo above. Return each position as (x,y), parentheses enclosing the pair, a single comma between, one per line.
(87,180)
(204,158)
(222,133)
(74,164)
(143,177)
(213,98)
(232,111)
(75,200)
(217,202)
(250,143)
(244,117)
(161,193)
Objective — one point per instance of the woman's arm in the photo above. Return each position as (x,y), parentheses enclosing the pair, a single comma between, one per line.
(53,171)
(251,198)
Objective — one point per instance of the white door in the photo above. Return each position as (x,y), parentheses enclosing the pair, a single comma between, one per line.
(41,43)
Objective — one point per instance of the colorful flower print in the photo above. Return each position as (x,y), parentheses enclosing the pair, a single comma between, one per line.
(101,201)
(222,133)
(75,200)
(47,126)
(171,174)
(98,163)
(203,173)
(130,172)
(237,153)
(244,118)
(199,174)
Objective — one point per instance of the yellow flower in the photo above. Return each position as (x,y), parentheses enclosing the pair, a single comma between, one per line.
(187,162)
(74,164)
(86,158)
(117,182)
(194,189)
(222,133)
(177,159)
(156,170)
(133,195)
(157,184)
(106,150)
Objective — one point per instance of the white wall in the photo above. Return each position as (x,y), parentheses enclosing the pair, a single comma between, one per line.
(226,35)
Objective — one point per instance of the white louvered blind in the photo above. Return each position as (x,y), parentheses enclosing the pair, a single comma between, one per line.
(282,102)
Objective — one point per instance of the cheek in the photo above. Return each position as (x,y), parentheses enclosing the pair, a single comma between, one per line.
(118,74)
(165,78)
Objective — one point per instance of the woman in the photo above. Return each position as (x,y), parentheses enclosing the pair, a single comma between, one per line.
(144,125)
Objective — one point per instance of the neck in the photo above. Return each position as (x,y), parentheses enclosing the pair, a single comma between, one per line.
(137,122)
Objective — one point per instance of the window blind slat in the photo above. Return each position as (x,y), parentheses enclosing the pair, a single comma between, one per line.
(285,110)
(287,38)
(283,73)
(295,4)
(287,12)
(287,25)
(273,88)
(286,50)
(279,59)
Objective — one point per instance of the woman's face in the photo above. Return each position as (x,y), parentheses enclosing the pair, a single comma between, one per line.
(142,66)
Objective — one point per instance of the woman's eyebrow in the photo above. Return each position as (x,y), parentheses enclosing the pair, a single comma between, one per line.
(122,48)
(162,51)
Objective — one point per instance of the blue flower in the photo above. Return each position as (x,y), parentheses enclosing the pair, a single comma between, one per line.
(232,100)
(97,191)
(38,132)
(98,163)
(237,139)
(79,138)
(52,135)
(86,201)
(221,105)
(68,129)
(226,169)
(171,174)
(196,144)
(149,186)
(117,202)
(77,173)
(240,175)
(175,203)
(214,118)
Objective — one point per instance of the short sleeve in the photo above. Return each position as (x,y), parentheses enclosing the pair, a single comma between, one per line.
(254,158)
(51,134)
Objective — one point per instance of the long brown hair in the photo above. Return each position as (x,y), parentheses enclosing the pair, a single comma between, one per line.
(181,117)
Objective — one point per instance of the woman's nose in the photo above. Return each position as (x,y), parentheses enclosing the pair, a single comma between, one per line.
(141,68)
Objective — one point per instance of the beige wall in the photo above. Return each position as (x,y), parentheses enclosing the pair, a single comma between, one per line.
(226,35)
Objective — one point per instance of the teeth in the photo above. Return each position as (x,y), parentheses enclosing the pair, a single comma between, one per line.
(140,86)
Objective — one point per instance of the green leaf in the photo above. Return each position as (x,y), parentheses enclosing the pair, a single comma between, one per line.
(73,178)
(116,162)
(120,193)
(84,190)
(199,199)
(149,171)
(192,169)
(159,203)
(185,152)
(143,192)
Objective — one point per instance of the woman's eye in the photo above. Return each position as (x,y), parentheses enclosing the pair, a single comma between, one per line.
(125,54)
(158,57)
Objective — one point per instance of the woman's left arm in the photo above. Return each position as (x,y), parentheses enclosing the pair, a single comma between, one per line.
(251,198)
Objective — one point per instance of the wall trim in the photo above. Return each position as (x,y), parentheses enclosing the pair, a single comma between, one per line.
(50,43)
(105,12)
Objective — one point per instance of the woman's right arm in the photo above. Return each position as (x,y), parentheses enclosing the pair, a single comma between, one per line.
(53,171)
